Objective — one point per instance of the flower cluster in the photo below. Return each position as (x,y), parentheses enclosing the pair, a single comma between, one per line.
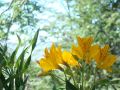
(54,58)
(85,51)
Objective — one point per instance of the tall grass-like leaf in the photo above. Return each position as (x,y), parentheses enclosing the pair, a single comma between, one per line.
(27,63)
(13,56)
(3,81)
(1,85)
(19,40)
(33,42)
(20,61)
(19,72)
(24,82)
(5,48)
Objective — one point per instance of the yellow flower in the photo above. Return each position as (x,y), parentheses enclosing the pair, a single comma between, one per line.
(104,59)
(84,50)
(53,59)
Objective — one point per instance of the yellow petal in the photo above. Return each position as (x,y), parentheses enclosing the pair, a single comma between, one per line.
(87,43)
(104,51)
(68,58)
(53,52)
(47,65)
(94,51)
(102,55)
(46,52)
(97,58)
(52,49)
(59,50)
(84,43)
(108,61)
(77,51)
(80,42)
(44,65)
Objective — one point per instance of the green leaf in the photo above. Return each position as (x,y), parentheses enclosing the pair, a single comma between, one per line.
(19,40)
(70,86)
(33,43)
(27,63)
(24,82)
(13,56)
(20,62)
(3,50)
(115,81)
(1,85)
(3,81)
(101,82)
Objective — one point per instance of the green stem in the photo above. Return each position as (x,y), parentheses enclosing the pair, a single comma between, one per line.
(83,75)
(94,77)
(82,81)
(65,76)
(73,78)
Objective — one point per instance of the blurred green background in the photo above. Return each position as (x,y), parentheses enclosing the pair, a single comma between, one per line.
(59,21)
